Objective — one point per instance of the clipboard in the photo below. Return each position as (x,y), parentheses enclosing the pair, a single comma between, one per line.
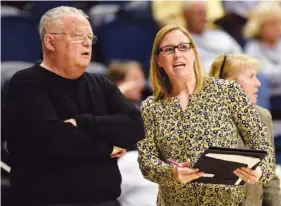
(219,163)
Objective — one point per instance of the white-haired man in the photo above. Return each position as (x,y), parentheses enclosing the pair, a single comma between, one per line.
(65,126)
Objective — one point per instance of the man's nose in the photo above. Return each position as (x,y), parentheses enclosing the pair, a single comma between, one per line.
(87,41)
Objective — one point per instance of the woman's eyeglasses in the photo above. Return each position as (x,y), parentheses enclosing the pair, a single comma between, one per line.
(183,47)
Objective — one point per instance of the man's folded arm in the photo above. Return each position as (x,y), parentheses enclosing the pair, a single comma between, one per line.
(30,111)
(123,126)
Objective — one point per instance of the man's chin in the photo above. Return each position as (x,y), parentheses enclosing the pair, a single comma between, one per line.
(83,65)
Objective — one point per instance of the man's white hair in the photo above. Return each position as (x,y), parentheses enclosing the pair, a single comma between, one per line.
(55,14)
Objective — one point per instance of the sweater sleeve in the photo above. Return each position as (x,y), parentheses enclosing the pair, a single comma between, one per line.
(151,165)
(123,126)
(31,119)
(250,127)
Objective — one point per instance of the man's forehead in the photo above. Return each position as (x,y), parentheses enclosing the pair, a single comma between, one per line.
(72,23)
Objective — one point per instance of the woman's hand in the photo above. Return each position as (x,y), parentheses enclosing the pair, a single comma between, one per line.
(183,174)
(249,175)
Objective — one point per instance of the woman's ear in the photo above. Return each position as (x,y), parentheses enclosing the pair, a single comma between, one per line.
(157,60)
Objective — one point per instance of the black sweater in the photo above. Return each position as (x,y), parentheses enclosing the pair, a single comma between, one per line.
(54,161)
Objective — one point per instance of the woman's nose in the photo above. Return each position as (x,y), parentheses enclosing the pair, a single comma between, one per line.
(258,83)
(177,52)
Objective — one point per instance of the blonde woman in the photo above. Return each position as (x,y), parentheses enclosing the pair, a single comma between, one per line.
(263,29)
(187,114)
(243,69)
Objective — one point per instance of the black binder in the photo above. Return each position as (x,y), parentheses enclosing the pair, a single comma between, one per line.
(220,171)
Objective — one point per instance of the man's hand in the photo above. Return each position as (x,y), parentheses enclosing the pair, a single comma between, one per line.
(248,175)
(72,121)
(117,152)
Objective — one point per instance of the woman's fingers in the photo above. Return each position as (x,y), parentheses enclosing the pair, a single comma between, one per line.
(184,174)
(248,175)
(186,171)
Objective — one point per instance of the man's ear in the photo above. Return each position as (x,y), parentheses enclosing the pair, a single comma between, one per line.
(49,42)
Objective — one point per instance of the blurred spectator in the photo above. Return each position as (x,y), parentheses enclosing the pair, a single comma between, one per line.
(264,30)
(129,77)
(167,12)
(236,14)
(136,190)
(210,43)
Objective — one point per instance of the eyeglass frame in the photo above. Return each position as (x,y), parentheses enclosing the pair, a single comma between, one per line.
(93,40)
(174,48)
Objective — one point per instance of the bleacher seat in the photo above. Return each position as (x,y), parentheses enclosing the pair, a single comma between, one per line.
(127,38)
(20,39)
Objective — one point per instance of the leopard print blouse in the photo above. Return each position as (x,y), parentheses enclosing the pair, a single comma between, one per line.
(216,116)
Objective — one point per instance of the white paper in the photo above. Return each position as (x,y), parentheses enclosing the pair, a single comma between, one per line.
(250,161)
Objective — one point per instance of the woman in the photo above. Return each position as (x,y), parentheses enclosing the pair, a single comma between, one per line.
(263,29)
(243,69)
(189,113)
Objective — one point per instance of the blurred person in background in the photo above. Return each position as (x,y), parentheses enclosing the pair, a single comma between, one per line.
(129,77)
(263,29)
(210,43)
(235,18)
(171,12)
(243,69)
(65,127)
(136,190)
(187,114)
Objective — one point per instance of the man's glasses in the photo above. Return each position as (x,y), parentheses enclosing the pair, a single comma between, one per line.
(80,38)
(184,47)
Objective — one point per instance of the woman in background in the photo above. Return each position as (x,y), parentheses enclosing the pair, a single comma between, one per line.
(263,29)
(243,69)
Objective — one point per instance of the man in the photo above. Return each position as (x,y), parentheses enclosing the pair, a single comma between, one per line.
(66,127)
(210,43)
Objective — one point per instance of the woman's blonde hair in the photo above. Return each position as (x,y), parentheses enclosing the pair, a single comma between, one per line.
(162,87)
(230,66)
(258,16)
